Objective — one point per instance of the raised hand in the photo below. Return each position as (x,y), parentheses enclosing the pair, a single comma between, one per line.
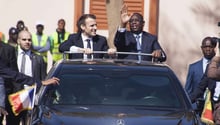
(124,16)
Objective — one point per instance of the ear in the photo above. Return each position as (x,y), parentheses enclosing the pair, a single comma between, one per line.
(82,26)
(143,22)
(18,41)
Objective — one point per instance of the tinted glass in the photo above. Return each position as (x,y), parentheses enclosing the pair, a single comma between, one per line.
(115,89)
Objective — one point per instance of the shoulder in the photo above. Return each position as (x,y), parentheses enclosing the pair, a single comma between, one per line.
(36,56)
(195,64)
(6,46)
(75,36)
(149,35)
(99,38)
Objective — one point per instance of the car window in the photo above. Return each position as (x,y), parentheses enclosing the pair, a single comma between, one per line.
(104,89)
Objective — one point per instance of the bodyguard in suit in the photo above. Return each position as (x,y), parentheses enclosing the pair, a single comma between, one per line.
(28,62)
(7,55)
(86,40)
(136,40)
(197,69)
(20,78)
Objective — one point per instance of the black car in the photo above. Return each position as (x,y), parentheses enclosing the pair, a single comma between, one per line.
(113,92)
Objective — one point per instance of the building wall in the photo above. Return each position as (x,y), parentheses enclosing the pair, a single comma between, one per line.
(32,11)
(182,24)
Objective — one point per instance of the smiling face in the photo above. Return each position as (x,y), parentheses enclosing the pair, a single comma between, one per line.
(90,27)
(136,23)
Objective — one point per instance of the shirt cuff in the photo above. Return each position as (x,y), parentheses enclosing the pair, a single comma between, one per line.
(74,49)
(121,30)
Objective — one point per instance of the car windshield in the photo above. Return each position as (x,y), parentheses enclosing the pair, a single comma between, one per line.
(115,89)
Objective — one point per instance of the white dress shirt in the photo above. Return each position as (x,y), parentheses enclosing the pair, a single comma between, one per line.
(204,64)
(76,49)
(28,64)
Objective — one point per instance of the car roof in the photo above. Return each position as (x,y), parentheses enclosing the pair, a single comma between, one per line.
(99,62)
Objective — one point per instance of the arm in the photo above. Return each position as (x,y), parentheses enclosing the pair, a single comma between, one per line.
(65,46)
(2,93)
(199,91)
(18,77)
(124,16)
(188,85)
(37,48)
(158,52)
(119,41)
(45,48)
(2,96)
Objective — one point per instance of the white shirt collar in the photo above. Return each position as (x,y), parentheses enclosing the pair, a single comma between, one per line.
(84,38)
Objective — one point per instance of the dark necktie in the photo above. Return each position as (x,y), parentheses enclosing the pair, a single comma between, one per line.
(88,46)
(23,61)
(138,47)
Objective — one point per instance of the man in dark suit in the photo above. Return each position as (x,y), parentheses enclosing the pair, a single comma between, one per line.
(86,40)
(211,81)
(28,62)
(197,69)
(34,64)
(137,40)
(19,78)
(7,55)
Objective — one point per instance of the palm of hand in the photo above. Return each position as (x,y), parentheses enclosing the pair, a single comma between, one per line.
(125,18)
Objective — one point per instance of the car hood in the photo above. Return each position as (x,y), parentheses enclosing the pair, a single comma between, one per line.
(102,115)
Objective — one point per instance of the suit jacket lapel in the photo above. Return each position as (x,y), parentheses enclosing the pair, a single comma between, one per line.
(79,41)
(33,62)
(95,40)
(144,43)
(200,67)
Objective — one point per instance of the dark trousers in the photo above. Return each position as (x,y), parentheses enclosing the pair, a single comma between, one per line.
(11,119)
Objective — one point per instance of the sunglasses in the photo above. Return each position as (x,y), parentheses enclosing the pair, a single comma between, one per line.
(26,39)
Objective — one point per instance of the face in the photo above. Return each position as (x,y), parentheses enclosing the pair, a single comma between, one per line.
(24,40)
(61,25)
(208,49)
(90,27)
(14,37)
(136,24)
(40,29)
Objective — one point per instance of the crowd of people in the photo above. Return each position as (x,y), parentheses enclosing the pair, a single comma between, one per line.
(23,57)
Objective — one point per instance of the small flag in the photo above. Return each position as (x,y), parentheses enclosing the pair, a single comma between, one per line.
(22,100)
(207,116)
